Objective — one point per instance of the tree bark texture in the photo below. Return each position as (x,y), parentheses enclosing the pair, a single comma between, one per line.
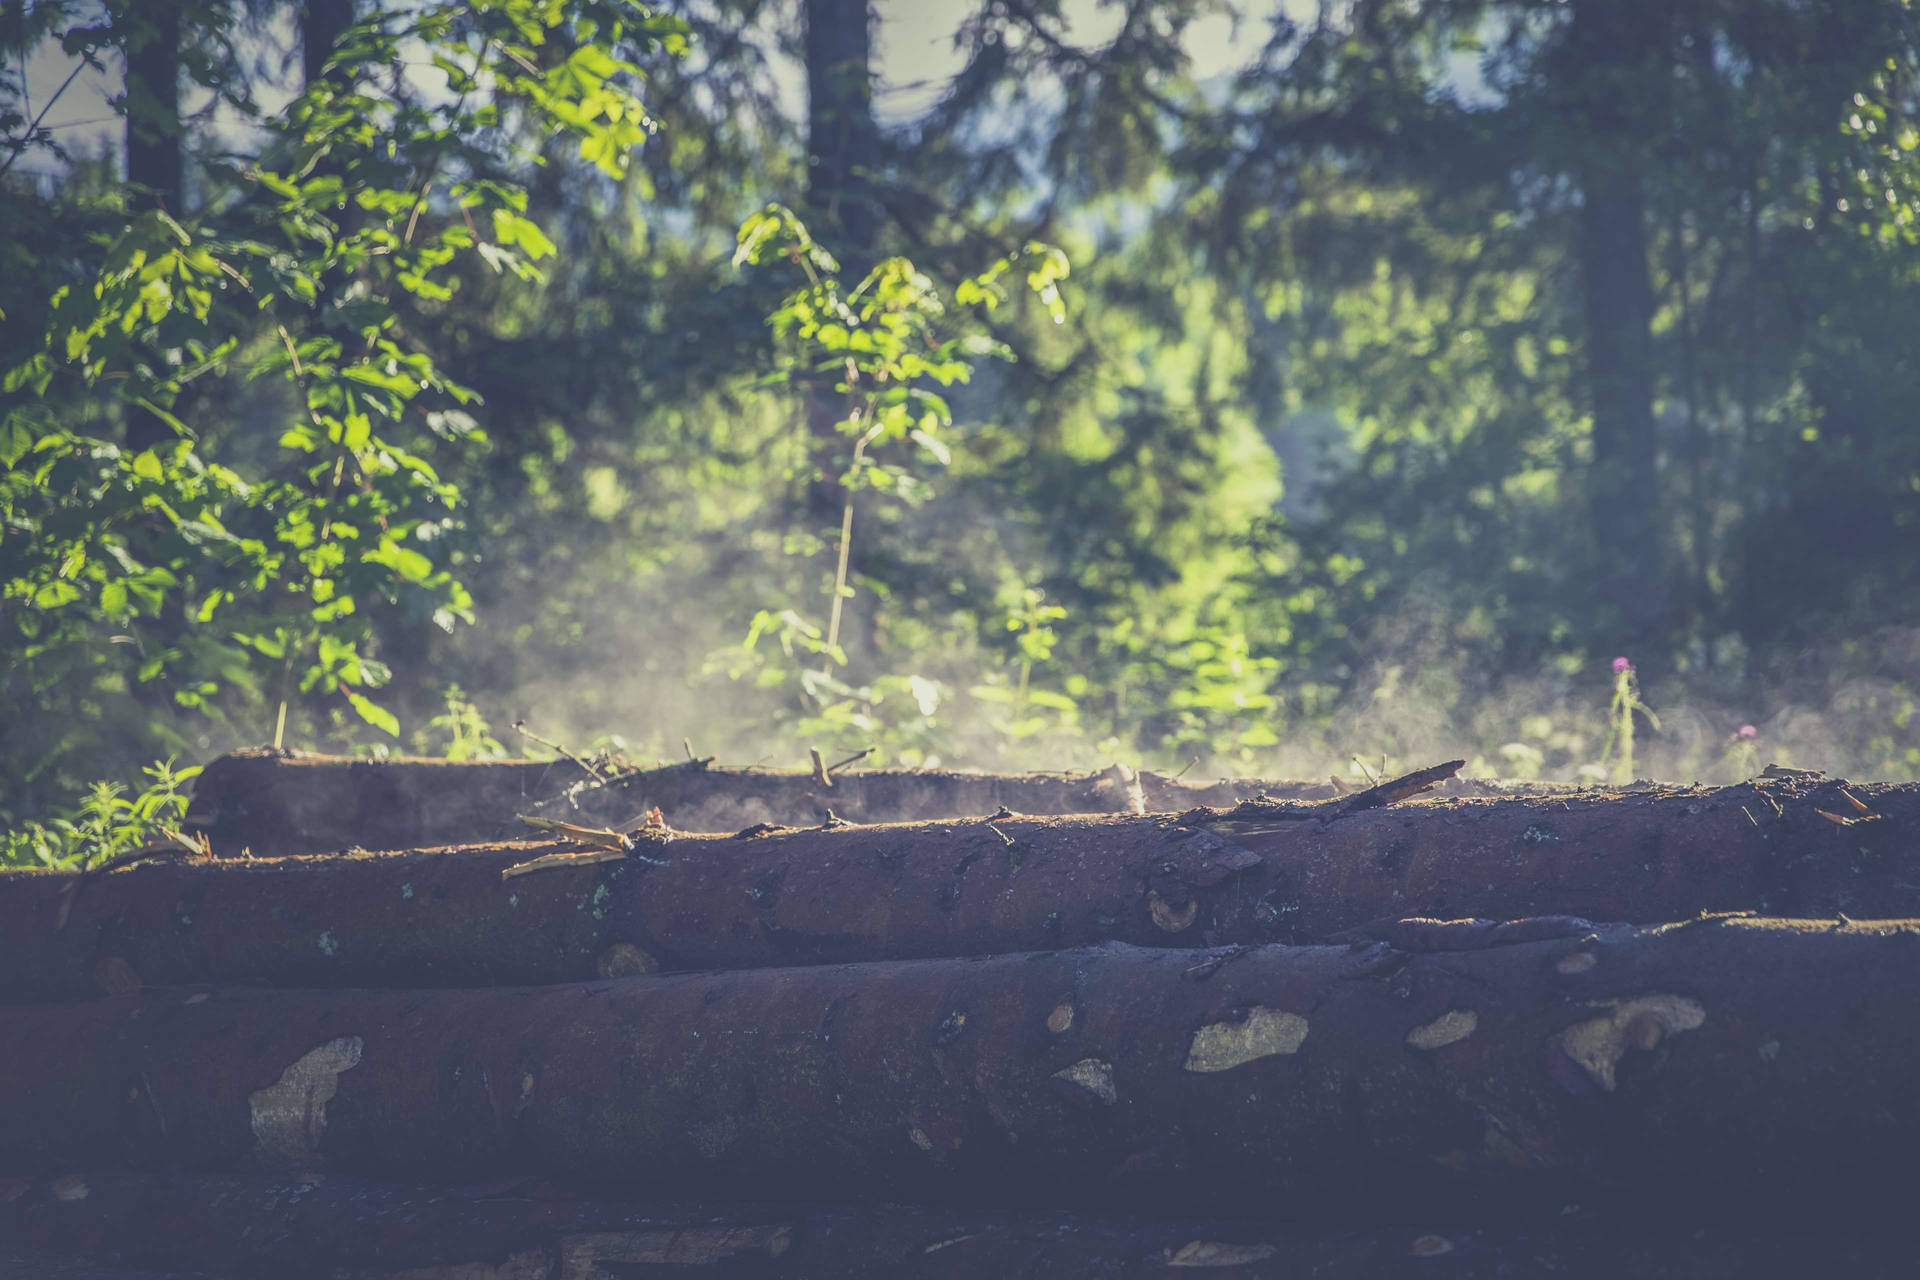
(526,1229)
(1712,1069)
(1254,874)
(273,803)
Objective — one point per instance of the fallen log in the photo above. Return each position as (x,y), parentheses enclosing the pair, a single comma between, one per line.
(1712,1069)
(275,803)
(1257,873)
(342,1228)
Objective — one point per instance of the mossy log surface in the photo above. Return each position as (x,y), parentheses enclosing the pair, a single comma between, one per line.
(1257,873)
(1697,1070)
(274,803)
(527,1229)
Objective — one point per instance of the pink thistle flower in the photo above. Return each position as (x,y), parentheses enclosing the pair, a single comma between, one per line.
(1621,665)
(1747,733)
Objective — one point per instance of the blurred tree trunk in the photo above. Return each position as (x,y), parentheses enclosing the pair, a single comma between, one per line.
(841,142)
(841,133)
(156,166)
(322,23)
(1611,49)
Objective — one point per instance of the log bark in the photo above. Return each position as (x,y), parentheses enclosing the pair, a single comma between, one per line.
(1257,873)
(347,1229)
(1715,1069)
(272,804)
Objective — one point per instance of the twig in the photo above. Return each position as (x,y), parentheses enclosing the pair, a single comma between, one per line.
(1841,821)
(838,765)
(520,727)
(1211,965)
(1366,772)
(867,437)
(820,774)
(604,837)
(689,749)
(1398,789)
(26,139)
(1183,773)
(1781,771)
(549,861)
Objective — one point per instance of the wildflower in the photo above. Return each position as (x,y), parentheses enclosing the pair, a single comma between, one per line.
(1747,733)
(1621,666)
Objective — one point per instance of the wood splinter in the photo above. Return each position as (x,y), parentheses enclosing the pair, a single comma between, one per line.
(1395,790)
(609,846)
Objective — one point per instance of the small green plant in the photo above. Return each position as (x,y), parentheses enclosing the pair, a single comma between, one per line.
(1030,622)
(881,347)
(1031,710)
(460,732)
(1742,756)
(1626,701)
(105,824)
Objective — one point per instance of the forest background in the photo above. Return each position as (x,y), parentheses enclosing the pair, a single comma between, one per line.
(710,377)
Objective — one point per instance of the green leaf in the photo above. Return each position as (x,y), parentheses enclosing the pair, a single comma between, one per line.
(404,561)
(53,595)
(512,229)
(375,714)
(15,442)
(940,451)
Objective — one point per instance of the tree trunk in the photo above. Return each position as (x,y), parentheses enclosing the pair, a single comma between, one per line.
(276,804)
(1730,1067)
(155,137)
(1261,873)
(841,133)
(531,1230)
(155,158)
(322,23)
(842,145)
(1612,52)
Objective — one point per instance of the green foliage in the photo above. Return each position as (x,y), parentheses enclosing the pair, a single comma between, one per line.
(1313,462)
(880,348)
(106,823)
(262,572)
(460,732)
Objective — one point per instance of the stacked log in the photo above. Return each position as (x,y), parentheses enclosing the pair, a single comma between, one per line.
(1354,1037)
(531,1229)
(270,803)
(1258,873)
